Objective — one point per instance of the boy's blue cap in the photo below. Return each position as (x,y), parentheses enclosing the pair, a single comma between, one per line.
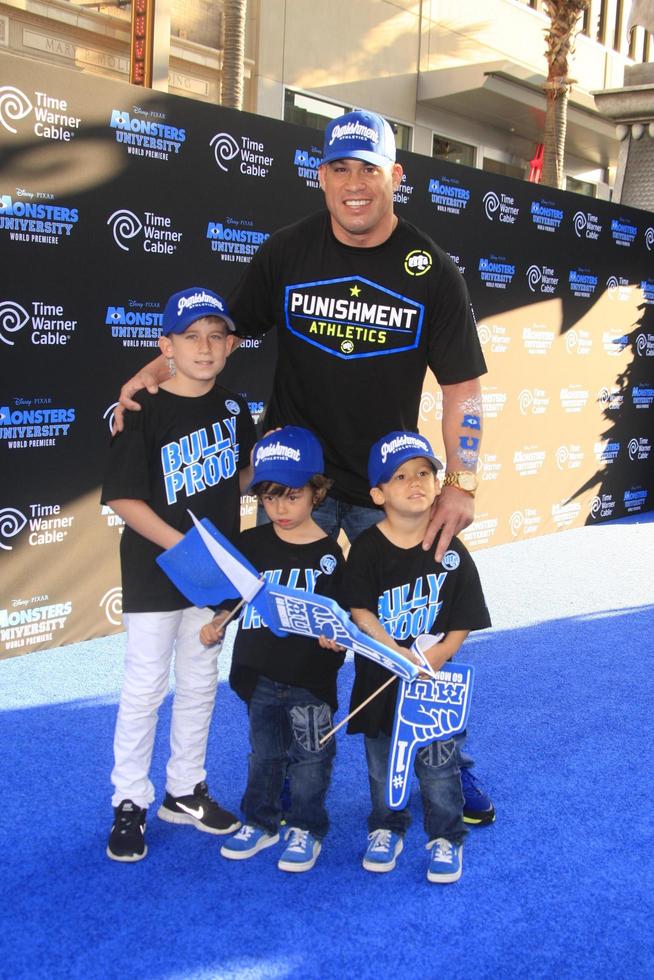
(189,305)
(290,456)
(396,448)
(359,135)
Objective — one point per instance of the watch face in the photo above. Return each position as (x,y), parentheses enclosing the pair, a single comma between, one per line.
(468,481)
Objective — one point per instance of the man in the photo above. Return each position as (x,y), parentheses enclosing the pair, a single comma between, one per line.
(364,302)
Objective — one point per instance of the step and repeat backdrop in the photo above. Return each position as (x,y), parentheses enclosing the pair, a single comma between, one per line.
(112,197)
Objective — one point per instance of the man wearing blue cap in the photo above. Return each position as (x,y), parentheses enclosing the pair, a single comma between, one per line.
(192,440)
(364,303)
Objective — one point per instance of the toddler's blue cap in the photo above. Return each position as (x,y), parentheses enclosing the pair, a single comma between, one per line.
(189,305)
(290,456)
(359,135)
(396,448)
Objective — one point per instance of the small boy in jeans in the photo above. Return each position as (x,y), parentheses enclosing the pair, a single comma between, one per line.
(189,445)
(288,683)
(396,591)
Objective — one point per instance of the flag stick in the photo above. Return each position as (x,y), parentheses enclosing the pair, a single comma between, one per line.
(236,608)
(370,697)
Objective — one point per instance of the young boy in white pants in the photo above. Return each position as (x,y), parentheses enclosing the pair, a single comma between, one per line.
(188,446)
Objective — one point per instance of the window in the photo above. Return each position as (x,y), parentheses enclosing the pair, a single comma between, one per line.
(448,149)
(507,169)
(580,186)
(308,110)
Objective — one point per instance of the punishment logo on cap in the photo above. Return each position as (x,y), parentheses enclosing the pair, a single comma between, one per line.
(189,305)
(359,135)
(396,448)
(289,456)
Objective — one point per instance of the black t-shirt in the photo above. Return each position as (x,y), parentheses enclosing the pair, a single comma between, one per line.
(358,328)
(293,659)
(410,593)
(176,453)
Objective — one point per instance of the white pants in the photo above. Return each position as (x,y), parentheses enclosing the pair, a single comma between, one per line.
(151,639)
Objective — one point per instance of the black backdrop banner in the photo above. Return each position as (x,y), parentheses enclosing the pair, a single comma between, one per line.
(112,197)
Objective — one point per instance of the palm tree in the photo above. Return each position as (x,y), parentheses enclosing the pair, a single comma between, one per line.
(564,16)
(233,54)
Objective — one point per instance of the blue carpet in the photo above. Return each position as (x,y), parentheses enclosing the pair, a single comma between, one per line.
(560,886)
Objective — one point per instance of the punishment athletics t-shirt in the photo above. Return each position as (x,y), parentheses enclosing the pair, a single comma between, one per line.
(357,329)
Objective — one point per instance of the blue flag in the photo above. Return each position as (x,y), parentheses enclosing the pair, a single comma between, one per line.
(428,709)
(222,572)
(192,569)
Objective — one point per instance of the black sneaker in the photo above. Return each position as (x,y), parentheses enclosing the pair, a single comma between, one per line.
(127,837)
(199,810)
(478,809)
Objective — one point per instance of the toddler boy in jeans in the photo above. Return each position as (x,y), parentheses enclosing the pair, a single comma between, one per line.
(288,683)
(396,591)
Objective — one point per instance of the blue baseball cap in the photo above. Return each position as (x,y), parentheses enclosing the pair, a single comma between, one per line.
(396,448)
(189,305)
(359,135)
(290,456)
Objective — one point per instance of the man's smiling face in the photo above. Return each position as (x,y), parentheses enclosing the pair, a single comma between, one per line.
(359,198)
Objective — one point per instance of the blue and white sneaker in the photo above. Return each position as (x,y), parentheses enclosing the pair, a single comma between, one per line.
(445,862)
(301,851)
(478,808)
(383,849)
(246,842)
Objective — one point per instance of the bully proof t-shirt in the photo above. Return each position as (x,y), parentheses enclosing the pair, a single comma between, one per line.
(411,594)
(176,454)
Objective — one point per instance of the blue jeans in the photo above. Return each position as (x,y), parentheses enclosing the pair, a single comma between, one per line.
(437,766)
(335,515)
(286,725)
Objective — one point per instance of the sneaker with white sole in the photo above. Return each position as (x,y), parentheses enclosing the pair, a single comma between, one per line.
(200,811)
(383,849)
(127,837)
(246,842)
(301,851)
(445,861)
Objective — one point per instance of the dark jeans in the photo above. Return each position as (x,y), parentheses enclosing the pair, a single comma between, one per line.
(286,725)
(437,767)
(335,515)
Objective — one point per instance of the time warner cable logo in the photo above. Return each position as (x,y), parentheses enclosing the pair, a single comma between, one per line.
(254,160)
(125,225)
(491,204)
(14,106)
(12,522)
(13,317)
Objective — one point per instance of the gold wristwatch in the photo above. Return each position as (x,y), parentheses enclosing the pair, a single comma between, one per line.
(462,480)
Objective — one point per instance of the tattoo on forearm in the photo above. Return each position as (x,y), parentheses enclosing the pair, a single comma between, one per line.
(468,451)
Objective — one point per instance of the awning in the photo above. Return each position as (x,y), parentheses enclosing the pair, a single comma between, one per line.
(511,99)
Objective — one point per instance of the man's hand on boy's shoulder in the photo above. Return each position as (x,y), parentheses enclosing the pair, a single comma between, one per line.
(149,377)
(453,511)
